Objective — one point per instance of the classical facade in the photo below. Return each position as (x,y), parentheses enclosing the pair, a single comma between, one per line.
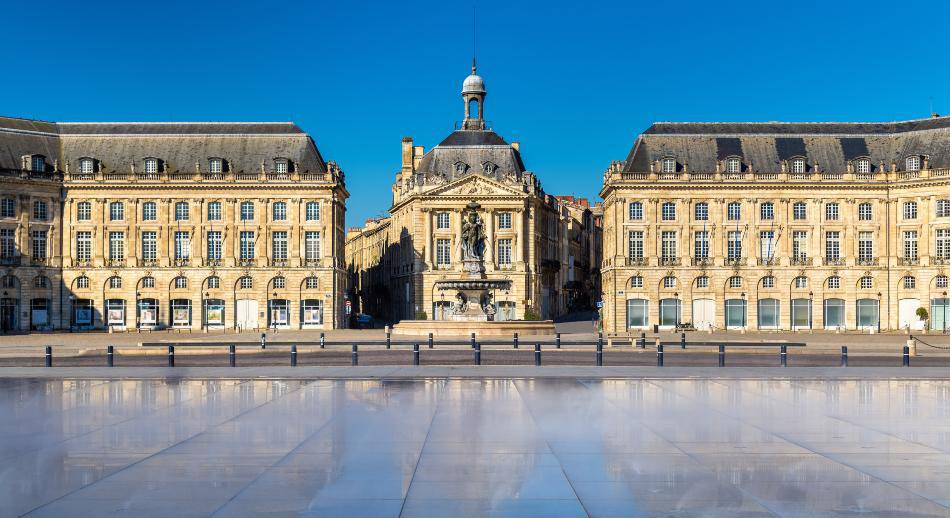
(779,226)
(418,250)
(181,225)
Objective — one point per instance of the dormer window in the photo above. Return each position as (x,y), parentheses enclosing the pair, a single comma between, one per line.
(151,166)
(215,165)
(281,166)
(798,165)
(862,165)
(669,165)
(489,168)
(87,166)
(38,163)
(912,163)
(733,165)
(460,168)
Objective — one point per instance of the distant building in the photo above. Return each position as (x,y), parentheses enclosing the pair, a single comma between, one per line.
(168,225)
(395,274)
(779,226)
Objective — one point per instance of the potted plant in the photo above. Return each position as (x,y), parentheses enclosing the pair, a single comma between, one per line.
(923,315)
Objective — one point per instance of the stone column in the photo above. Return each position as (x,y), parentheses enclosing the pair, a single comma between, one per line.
(427,224)
(519,215)
(490,237)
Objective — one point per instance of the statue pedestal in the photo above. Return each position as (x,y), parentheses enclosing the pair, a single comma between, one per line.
(473,268)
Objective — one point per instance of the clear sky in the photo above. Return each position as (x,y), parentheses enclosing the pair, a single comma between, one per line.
(574,82)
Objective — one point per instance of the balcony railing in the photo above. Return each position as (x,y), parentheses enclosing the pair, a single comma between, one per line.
(247,262)
(735,261)
(213,262)
(767,261)
(283,263)
(118,262)
(939,260)
(10,260)
(312,262)
(182,261)
(702,261)
(801,261)
(636,261)
(833,261)
(867,261)
(908,261)
(669,261)
(773,176)
(151,261)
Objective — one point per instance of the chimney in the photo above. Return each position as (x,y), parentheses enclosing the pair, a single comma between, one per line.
(517,146)
(417,153)
(407,155)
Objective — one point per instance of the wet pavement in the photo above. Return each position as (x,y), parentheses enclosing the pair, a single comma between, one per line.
(474,447)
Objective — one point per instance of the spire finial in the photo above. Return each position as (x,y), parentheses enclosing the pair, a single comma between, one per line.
(474,37)
(473,65)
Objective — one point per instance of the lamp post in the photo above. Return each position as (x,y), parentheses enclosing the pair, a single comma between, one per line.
(944,312)
(810,302)
(878,312)
(745,312)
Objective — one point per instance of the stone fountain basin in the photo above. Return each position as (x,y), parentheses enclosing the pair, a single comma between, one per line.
(445,328)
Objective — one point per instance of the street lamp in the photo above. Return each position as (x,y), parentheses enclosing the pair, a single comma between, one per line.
(810,302)
(944,312)
(878,312)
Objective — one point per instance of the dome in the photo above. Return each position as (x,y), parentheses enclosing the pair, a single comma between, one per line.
(474,84)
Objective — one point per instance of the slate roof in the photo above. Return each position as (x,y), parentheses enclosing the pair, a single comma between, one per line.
(474,148)
(180,145)
(764,145)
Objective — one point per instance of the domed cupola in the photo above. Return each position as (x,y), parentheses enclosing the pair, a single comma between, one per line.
(473,93)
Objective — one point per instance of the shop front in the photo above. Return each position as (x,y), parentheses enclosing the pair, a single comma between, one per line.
(214,314)
(181,313)
(311,313)
(115,313)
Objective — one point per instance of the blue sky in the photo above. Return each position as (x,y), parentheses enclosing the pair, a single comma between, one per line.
(574,82)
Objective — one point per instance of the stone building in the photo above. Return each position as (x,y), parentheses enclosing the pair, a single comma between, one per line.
(779,226)
(421,247)
(367,286)
(185,225)
(580,255)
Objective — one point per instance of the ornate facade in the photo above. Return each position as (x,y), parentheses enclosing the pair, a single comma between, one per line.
(471,169)
(779,226)
(181,225)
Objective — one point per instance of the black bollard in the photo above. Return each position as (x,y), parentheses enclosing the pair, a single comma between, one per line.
(389,340)
(514,341)
(537,355)
(110,356)
(643,340)
(659,355)
(906,357)
(473,340)
(722,355)
(478,354)
(49,355)
(293,355)
(557,340)
(323,341)
(682,340)
(844,355)
(599,356)
(430,341)
(415,354)
(171,355)
(232,355)
(783,356)
(355,356)
(263,341)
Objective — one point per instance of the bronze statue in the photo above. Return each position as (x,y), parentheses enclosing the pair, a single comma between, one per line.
(473,236)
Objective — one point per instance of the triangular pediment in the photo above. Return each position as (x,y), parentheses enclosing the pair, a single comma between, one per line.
(477,185)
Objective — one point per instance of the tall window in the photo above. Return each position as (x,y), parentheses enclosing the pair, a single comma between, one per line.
(214,245)
(182,245)
(313,211)
(910,210)
(8,208)
(910,245)
(279,245)
(181,211)
(799,210)
(247,244)
(280,211)
(864,212)
(149,211)
(216,165)
(116,211)
(668,244)
(149,245)
(116,246)
(504,252)
(862,166)
(943,243)
(635,210)
(767,245)
(865,246)
(40,212)
(83,245)
(39,163)
(38,238)
(831,212)
(247,210)
(798,165)
(669,211)
(912,163)
(833,245)
(504,220)
(311,245)
(442,221)
(635,244)
(767,211)
(669,165)
(8,242)
(734,245)
(443,252)
(84,211)
(733,165)
(702,211)
(734,211)
(214,211)
(799,245)
(701,244)
(943,208)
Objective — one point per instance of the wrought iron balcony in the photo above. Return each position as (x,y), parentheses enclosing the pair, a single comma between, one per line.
(834,261)
(801,261)
(670,261)
(735,261)
(767,261)
(867,261)
(10,260)
(636,261)
(908,261)
(702,261)
(115,263)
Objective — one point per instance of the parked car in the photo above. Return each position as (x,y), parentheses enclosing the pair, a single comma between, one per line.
(364,321)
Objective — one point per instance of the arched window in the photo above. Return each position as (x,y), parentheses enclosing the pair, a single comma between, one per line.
(82,282)
(735,282)
(866,282)
(800,282)
(213,282)
(41,281)
(312,283)
(181,211)
(636,281)
(148,282)
(116,211)
(151,166)
(865,212)
(245,283)
(149,211)
(941,281)
(115,282)
(702,281)
(768,282)
(669,282)
(279,282)
(313,211)
(473,109)
(910,282)
(181,283)
(215,165)
(669,211)
(87,166)
(84,211)
(834,282)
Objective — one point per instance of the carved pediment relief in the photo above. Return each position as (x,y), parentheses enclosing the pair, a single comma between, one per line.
(474,185)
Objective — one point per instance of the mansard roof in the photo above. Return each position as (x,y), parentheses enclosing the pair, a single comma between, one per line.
(764,145)
(180,145)
(473,148)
